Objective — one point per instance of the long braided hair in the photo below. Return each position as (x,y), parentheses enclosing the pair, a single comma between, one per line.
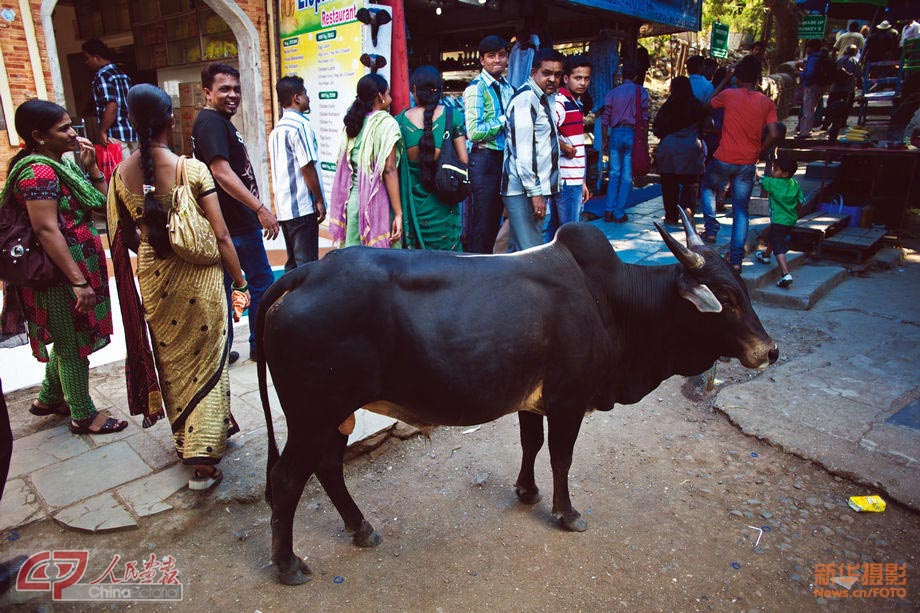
(369,86)
(428,85)
(150,110)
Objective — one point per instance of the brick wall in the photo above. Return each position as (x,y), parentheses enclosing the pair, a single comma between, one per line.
(22,84)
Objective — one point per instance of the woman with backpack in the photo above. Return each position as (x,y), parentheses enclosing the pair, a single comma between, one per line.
(430,223)
(57,199)
(182,303)
(365,207)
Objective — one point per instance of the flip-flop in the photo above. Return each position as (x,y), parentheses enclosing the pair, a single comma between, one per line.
(201,483)
(110,426)
(58,408)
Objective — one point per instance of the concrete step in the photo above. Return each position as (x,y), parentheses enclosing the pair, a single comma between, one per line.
(811,283)
(757,275)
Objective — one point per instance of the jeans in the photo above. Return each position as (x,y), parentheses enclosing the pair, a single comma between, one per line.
(259,276)
(678,190)
(301,235)
(741,177)
(621,143)
(526,230)
(562,208)
(810,96)
(486,200)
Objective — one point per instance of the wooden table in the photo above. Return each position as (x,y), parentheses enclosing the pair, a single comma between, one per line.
(822,150)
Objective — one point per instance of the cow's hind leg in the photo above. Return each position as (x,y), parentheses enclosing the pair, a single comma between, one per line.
(562,434)
(531,443)
(288,478)
(331,476)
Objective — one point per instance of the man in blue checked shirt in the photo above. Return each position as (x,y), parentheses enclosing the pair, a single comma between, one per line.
(530,173)
(110,93)
(485,100)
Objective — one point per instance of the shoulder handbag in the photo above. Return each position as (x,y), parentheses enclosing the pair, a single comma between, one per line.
(452,179)
(23,262)
(190,235)
(641,161)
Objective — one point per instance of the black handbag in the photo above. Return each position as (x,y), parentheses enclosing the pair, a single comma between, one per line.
(452,178)
(23,262)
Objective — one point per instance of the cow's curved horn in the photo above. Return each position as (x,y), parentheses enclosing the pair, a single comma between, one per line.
(689,260)
(693,239)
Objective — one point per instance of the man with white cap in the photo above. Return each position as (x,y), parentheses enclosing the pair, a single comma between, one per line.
(841,94)
(882,44)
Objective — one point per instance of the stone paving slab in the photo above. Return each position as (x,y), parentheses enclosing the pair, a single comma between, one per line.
(44,448)
(810,284)
(146,496)
(19,505)
(89,474)
(157,452)
(102,513)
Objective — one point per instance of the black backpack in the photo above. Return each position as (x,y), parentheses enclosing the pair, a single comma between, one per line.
(827,70)
(452,178)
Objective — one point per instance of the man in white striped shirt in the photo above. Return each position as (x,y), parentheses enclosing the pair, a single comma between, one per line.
(299,201)
(530,174)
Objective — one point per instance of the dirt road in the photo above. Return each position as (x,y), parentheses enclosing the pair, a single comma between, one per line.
(674,496)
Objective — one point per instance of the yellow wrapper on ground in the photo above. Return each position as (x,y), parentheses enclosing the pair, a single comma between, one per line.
(867,504)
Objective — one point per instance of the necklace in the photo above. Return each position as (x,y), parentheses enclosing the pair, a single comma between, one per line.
(159,146)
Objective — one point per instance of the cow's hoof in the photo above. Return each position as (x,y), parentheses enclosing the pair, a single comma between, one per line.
(573,522)
(366,536)
(295,573)
(527,496)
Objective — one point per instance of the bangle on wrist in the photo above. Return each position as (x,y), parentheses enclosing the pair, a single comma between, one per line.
(261,206)
(97,179)
(84,284)
(241,288)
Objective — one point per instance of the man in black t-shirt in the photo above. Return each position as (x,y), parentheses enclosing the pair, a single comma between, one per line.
(217,143)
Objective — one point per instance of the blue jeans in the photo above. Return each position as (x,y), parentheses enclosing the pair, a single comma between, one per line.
(259,276)
(742,181)
(562,208)
(621,144)
(526,230)
(301,235)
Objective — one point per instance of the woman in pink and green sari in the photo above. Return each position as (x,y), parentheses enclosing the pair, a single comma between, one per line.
(364,206)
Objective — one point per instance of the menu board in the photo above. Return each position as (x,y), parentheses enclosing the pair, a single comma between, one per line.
(322,41)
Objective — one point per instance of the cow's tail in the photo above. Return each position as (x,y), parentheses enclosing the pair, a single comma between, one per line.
(276,291)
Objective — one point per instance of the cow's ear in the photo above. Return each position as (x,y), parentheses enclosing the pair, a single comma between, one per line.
(701,297)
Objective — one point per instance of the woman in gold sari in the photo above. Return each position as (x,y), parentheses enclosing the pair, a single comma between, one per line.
(184,304)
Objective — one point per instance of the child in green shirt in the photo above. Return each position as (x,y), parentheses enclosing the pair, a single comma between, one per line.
(785,197)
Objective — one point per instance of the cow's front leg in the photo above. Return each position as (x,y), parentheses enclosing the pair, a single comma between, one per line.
(562,434)
(531,443)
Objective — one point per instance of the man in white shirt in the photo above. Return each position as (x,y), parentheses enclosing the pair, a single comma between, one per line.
(701,86)
(299,200)
(911,30)
(853,37)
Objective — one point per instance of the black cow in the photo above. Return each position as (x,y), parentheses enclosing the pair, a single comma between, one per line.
(447,339)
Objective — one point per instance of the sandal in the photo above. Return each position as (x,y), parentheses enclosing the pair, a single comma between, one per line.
(111,425)
(58,408)
(204,482)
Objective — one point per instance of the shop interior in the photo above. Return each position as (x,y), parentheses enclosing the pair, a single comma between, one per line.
(164,42)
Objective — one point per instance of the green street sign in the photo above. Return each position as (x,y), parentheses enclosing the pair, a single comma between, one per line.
(812,26)
(718,41)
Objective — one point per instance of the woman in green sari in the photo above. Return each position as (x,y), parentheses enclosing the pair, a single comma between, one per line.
(429,223)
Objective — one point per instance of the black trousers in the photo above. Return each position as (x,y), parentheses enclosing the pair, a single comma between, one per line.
(485,199)
(839,105)
(680,190)
(6,441)
(301,235)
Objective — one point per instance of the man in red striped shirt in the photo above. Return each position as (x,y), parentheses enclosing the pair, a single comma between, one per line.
(569,115)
